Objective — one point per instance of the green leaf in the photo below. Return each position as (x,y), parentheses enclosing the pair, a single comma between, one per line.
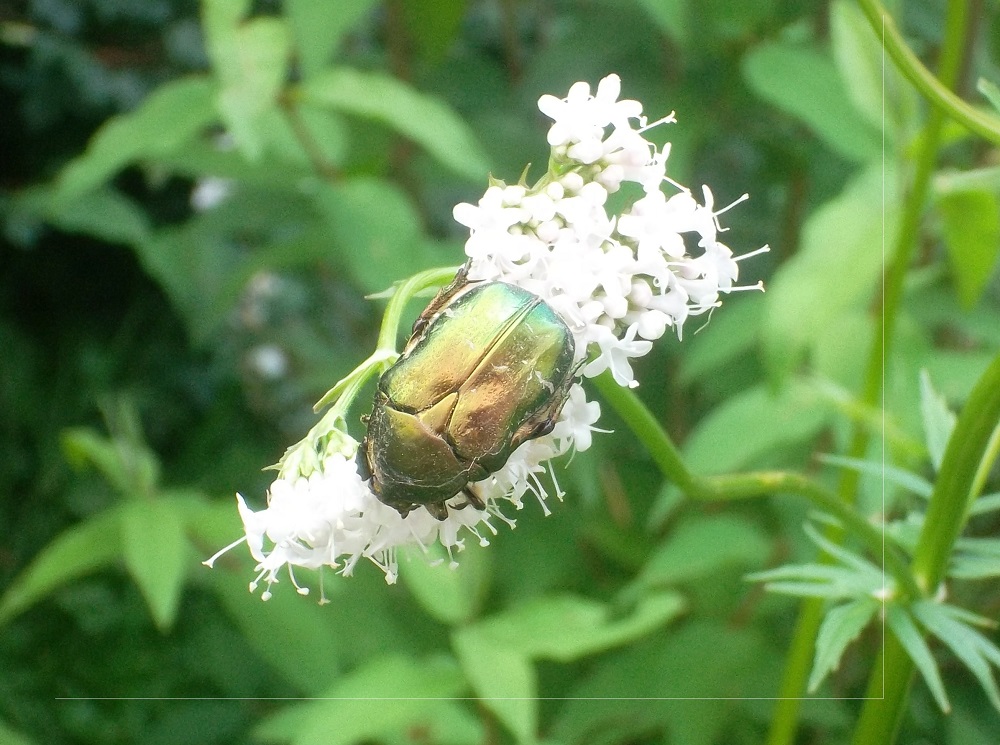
(859,58)
(504,682)
(939,420)
(990,91)
(203,264)
(102,213)
(674,687)
(968,644)
(909,636)
(840,627)
(985,503)
(376,229)
(297,637)
(452,594)
(720,444)
(970,223)
(431,27)
(155,547)
(842,239)
(975,558)
(356,708)
(704,546)
(911,482)
(319,26)
(496,652)
(727,337)
(848,558)
(818,581)
(250,60)
(76,552)
(130,468)
(168,118)
(424,119)
(10,736)
(804,83)
(670,17)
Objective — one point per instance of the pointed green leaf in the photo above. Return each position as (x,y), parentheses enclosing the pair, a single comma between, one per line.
(380,701)
(842,239)
(719,443)
(252,80)
(103,213)
(168,118)
(840,627)
(985,503)
(846,557)
(803,82)
(78,551)
(297,637)
(939,420)
(155,549)
(504,681)
(450,593)
(357,709)
(965,642)
(702,546)
(970,222)
(496,652)
(319,26)
(909,636)
(819,580)
(423,118)
(131,469)
(911,482)
(975,558)
(990,91)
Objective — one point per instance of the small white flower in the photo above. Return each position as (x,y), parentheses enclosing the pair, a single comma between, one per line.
(615,354)
(210,192)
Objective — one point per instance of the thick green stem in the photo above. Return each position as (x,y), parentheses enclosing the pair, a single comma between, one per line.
(969,446)
(936,91)
(784,721)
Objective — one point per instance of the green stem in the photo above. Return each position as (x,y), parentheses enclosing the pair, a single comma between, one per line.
(745,485)
(969,446)
(402,295)
(935,91)
(793,685)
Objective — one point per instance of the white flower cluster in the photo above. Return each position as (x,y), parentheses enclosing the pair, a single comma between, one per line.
(619,282)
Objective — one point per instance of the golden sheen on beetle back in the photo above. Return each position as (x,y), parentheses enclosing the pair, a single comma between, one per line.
(488,367)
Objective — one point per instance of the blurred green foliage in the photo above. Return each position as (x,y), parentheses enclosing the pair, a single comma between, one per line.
(196,198)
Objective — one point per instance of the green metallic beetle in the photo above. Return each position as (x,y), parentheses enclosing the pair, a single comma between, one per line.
(488,367)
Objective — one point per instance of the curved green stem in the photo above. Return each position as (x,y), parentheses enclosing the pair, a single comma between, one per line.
(935,91)
(402,295)
(745,485)
(969,446)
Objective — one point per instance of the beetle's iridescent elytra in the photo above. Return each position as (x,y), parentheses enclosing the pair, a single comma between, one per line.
(488,367)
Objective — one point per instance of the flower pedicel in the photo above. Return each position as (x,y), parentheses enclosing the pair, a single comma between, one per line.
(619,282)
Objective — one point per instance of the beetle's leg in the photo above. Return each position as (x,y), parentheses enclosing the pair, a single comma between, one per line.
(474,499)
(440,300)
(438,510)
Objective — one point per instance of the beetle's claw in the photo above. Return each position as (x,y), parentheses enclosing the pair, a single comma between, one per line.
(474,499)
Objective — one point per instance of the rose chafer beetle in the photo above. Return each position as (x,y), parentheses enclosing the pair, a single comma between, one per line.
(488,367)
